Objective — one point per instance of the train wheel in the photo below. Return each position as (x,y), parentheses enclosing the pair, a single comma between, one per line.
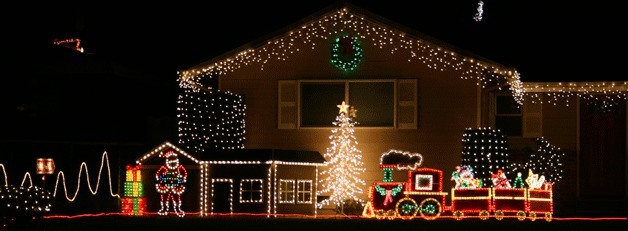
(430,209)
(458,215)
(484,215)
(521,215)
(406,208)
(499,215)
(380,214)
(532,215)
(391,214)
(548,216)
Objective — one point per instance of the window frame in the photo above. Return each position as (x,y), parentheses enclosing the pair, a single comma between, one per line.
(346,83)
(251,191)
(527,112)
(282,192)
(303,192)
(494,115)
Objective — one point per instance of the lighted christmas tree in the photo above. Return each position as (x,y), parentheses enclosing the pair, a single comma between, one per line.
(518,183)
(210,119)
(342,178)
(546,161)
(486,151)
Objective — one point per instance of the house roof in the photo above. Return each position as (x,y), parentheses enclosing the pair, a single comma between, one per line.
(242,156)
(342,16)
(165,146)
(265,156)
(432,52)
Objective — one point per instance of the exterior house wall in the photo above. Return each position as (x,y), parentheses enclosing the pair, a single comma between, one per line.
(447,105)
(560,123)
(559,128)
(237,172)
(295,172)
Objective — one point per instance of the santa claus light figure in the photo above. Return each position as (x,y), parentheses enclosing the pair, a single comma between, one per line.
(171,178)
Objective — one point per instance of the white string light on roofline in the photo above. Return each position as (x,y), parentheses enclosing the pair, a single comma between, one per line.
(344,21)
(607,94)
(416,49)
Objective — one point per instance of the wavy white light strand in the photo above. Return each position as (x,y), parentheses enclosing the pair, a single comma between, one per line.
(4,171)
(30,179)
(104,158)
(26,175)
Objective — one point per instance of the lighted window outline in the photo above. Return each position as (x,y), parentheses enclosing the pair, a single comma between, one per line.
(286,191)
(250,191)
(301,192)
(419,177)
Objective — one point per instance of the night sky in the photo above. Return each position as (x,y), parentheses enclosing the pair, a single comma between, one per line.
(543,40)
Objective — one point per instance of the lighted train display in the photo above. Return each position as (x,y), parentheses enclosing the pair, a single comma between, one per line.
(422,195)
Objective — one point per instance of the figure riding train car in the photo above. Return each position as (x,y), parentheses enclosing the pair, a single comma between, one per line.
(502,198)
(420,195)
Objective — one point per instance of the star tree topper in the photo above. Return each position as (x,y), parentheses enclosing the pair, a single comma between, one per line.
(343,108)
(352,112)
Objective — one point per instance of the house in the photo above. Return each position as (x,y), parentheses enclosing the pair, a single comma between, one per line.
(415,93)
(236,181)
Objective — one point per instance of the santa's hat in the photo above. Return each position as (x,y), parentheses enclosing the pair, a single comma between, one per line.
(168,154)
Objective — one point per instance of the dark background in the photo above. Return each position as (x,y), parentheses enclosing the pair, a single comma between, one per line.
(121,95)
(125,89)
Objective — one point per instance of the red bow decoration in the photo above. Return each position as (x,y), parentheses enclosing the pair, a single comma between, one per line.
(347,47)
(388,197)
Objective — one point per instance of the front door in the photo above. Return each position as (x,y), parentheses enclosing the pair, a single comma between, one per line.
(222,197)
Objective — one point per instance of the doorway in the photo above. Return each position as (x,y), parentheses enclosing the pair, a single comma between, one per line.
(222,196)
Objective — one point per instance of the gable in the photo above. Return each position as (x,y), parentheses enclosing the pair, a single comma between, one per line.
(374,31)
(165,146)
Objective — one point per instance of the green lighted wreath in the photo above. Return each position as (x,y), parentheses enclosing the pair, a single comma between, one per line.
(346,52)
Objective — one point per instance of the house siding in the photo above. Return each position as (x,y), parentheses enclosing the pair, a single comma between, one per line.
(560,123)
(447,105)
(296,172)
(236,172)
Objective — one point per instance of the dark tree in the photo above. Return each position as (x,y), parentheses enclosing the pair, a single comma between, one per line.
(486,150)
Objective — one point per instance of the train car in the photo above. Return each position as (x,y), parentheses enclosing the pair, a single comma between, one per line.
(540,202)
(509,201)
(469,201)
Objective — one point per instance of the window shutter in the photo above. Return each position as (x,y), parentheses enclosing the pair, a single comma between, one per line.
(492,109)
(287,104)
(532,118)
(407,103)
